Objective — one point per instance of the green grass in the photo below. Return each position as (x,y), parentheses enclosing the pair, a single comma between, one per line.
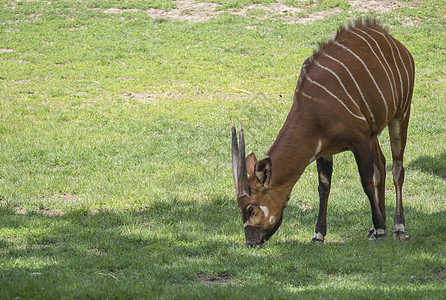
(115,172)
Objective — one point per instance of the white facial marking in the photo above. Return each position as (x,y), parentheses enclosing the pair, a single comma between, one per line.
(318,150)
(265,210)
(272,219)
(246,224)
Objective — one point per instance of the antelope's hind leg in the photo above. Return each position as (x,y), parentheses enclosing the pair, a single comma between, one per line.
(324,169)
(398,135)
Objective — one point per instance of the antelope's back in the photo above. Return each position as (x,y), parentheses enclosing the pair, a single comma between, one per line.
(363,72)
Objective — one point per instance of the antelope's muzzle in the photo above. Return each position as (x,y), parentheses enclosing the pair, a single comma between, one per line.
(255,236)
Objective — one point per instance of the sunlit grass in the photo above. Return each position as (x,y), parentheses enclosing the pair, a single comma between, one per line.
(115,174)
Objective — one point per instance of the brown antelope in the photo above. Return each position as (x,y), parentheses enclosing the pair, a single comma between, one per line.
(347,92)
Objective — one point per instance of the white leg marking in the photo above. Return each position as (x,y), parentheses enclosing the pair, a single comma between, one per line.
(318,150)
(272,220)
(376,180)
(356,84)
(334,96)
(395,141)
(324,179)
(380,231)
(368,71)
(265,210)
(392,86)
(376,175)
(398,227)
(318,236)
(396,170)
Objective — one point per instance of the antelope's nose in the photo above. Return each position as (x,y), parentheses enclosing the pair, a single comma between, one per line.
(255,243)
(251,244)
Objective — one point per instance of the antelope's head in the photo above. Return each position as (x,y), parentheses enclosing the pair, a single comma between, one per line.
(261,212)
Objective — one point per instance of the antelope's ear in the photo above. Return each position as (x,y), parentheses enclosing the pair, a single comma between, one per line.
(263,171)
(251,161)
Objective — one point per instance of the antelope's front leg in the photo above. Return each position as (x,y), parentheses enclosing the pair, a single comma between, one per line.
(364,160)
(379,179)
(324,169)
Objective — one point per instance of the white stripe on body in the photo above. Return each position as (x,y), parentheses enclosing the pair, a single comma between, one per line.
(340,82)
(379,60)
(318,150)
(407,73)
(308,96)
(368,71)
(393,86)
(394,59)
(334,96)
(406,109)
(356,84)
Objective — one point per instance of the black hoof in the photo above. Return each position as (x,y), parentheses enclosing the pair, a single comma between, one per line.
(316,240)
(400,235)
(376,235)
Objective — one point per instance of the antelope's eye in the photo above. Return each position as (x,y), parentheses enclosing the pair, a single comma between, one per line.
(250,209)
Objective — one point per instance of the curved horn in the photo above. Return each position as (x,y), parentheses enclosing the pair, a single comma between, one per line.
(234,157)
(239,171)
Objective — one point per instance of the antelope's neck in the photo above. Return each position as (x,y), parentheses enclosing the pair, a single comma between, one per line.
(294,149)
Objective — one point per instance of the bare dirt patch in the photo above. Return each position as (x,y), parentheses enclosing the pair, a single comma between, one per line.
(317,16)
(20,211)
(221,280)
(149,97)
(64,197)
(189,10)
(50,213)
(279,8)
(192,11)
(378,6)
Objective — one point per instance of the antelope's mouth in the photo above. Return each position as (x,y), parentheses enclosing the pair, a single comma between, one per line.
(255,236)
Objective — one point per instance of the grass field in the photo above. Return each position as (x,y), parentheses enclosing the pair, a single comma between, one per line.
(115,171)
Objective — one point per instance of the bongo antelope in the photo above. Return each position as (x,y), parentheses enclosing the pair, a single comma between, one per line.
(348,91)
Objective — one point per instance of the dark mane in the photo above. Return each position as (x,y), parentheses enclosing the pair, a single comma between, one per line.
(363,22)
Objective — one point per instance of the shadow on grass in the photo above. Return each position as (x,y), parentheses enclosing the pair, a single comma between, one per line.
(431,164)
(166,250)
